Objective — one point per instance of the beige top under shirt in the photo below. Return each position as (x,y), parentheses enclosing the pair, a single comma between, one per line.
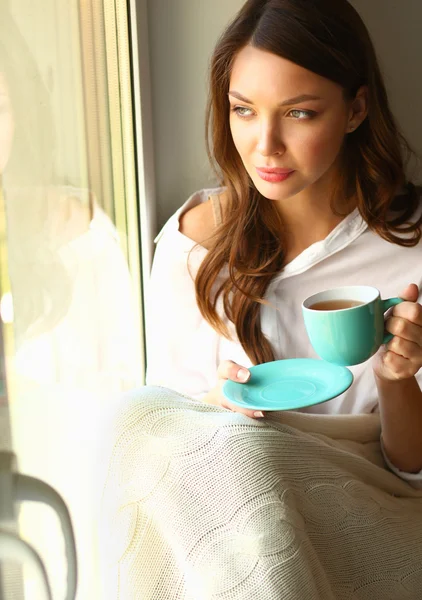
(216,209)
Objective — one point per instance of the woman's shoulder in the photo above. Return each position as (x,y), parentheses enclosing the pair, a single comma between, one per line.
(181,244)
(195,219)
(199,222)
(173,238)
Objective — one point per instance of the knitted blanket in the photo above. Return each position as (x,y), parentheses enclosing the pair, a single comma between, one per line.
(204,504)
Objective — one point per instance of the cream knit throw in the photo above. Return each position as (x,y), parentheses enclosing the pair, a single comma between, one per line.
(204,504)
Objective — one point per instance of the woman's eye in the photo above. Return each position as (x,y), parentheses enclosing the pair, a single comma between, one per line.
(302,114)
(242,111)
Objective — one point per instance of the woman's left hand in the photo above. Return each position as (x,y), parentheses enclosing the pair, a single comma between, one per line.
(401,357)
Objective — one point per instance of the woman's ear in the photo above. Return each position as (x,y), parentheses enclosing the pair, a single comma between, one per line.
(359,108)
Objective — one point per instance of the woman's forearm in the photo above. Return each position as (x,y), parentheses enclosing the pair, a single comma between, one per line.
(400,406)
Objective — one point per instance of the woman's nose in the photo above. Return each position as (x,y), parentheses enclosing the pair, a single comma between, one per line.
(270,141)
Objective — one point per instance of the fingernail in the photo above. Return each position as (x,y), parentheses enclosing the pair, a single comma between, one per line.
(258,414)
(243,375)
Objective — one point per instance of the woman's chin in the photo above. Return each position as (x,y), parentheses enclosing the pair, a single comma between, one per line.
(276,191)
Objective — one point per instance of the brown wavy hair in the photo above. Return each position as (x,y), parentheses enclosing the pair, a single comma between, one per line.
(329,38)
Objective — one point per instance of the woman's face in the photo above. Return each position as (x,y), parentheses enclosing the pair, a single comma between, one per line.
(275,127)
(6,123)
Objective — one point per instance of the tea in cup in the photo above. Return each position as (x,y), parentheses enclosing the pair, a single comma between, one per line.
(346,325)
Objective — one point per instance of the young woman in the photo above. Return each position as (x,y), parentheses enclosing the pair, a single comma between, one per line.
(313,196)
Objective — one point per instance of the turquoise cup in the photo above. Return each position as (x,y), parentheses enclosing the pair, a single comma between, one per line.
(347,336)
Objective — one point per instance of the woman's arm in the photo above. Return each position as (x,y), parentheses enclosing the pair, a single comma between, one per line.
(400,404)
(400,396)
(181,347)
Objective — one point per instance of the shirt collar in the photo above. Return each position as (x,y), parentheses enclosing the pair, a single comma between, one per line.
(348,230)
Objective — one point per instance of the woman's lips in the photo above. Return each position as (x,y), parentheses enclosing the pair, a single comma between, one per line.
(274,175)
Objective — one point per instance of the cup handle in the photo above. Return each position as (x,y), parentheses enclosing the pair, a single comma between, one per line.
(386,304)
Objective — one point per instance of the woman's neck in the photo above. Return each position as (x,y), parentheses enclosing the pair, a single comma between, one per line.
(307,221)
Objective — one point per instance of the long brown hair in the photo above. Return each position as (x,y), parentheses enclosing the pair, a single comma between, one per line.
(328,38)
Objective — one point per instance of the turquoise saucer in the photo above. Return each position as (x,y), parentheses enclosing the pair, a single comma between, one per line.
(289,385)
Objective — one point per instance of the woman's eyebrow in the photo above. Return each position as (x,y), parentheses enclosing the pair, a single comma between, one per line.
(295,100)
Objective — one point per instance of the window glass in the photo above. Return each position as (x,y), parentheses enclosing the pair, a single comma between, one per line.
(70,294)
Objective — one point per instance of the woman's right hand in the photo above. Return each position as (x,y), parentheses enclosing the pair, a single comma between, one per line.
(230,370)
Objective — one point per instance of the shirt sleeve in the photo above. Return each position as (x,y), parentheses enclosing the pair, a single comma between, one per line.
(182,347)
(414,479)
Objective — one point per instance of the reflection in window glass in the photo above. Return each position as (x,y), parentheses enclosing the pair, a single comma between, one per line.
(70,285)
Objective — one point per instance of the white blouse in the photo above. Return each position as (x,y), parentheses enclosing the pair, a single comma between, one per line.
(184,351)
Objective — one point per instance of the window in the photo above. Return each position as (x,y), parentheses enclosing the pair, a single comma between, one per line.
(72,175)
